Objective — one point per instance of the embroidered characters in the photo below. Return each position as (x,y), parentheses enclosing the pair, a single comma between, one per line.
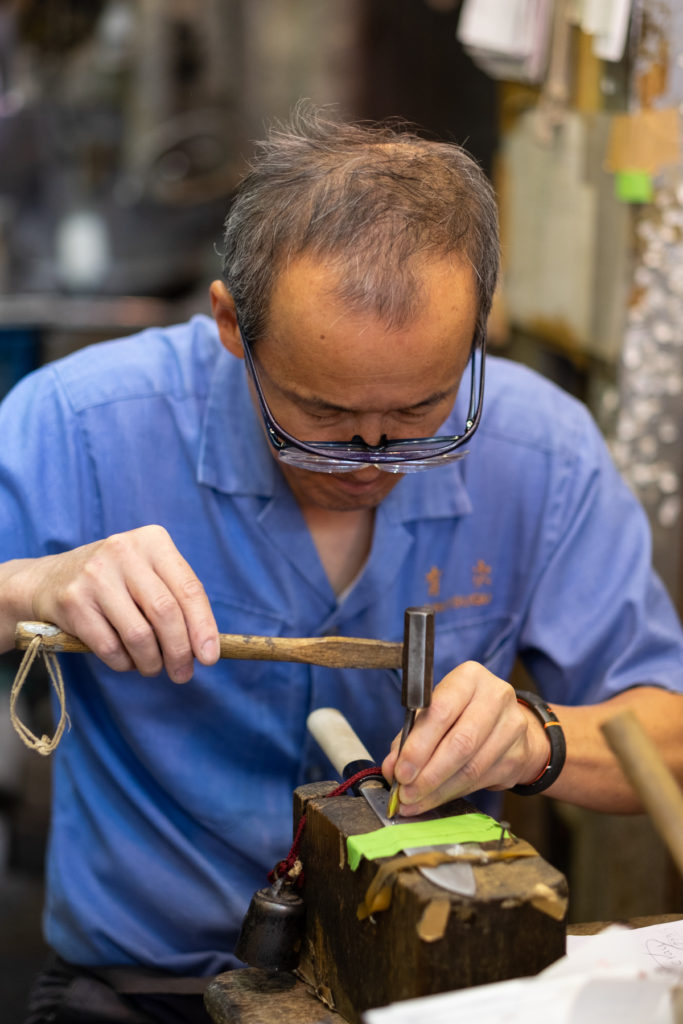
(482,580)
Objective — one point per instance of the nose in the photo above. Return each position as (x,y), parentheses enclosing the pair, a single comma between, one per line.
(371,431)
(357,439)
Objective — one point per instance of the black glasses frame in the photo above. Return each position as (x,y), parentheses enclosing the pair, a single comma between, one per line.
(403,450)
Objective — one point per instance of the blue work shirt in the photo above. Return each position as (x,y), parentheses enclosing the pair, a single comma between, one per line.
(171,803)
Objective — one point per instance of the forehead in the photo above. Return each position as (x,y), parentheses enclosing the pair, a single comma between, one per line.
(316,297)
(320,347)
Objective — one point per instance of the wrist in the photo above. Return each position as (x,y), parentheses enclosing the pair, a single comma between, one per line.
(16,589)
(554,750)
(538,746)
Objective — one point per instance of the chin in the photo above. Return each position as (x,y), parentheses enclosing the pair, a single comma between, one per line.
(343,492)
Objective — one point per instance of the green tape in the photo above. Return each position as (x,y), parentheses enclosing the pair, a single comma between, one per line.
(634,187)
(391,839)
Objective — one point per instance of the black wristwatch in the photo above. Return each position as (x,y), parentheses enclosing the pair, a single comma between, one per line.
(558,746)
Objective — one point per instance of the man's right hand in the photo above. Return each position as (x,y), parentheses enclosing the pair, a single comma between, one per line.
(132,598)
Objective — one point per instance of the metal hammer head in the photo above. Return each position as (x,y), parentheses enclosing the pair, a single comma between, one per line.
(418,657)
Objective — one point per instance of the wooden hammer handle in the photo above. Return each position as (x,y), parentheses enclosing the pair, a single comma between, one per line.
(650,777)
(330,651)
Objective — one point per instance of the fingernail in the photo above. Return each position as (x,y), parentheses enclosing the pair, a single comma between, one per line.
(184,674)
(210,651)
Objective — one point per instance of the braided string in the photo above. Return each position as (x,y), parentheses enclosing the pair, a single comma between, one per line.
(291,865)
(44,744)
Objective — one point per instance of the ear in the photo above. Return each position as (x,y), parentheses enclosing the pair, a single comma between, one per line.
(225,315)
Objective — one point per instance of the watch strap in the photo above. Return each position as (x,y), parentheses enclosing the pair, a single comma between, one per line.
(558,745)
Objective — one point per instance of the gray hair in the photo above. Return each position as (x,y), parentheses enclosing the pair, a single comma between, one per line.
(373,200)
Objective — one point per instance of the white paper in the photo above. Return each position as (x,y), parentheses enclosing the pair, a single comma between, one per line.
(607,21)
(656,951)
(503,26)
(624,975)
(509,39)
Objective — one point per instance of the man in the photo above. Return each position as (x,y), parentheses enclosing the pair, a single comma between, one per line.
(156,489)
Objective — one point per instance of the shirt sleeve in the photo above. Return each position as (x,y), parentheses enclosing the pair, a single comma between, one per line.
(599,620)
(46,490)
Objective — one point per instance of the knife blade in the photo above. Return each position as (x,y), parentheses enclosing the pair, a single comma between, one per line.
(349,755)
(457,878)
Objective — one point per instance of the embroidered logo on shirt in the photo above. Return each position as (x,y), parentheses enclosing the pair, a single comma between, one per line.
(482,576)
(433,578)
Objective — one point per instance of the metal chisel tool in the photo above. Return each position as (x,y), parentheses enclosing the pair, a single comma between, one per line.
(418,676)
(348,755)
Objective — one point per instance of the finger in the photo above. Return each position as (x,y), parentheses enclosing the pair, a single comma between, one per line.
(176,618)
(449,700)
(156,635)
(485,771)
(495,762)
(389,763)
(92,627)
(71,604)
(194,604)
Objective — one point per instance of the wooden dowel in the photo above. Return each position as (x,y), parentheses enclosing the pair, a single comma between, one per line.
(330,651)
(336,738)
(650,777)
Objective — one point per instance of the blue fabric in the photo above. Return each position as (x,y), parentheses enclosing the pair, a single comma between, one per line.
(171,803)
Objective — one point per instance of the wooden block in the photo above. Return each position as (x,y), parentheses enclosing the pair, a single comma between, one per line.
(510,928)
(254,996)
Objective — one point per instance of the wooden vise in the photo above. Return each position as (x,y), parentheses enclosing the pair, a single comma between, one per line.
(427,940)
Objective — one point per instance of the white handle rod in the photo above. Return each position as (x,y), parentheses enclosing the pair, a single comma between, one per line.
(336,738)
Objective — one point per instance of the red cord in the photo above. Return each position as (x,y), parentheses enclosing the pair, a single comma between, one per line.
(286,865)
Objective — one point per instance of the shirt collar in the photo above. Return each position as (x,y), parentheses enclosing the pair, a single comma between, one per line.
(235,457)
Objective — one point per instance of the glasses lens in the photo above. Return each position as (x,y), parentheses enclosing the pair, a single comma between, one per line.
(331,464)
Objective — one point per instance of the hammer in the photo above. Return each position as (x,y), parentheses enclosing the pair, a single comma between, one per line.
(330,651)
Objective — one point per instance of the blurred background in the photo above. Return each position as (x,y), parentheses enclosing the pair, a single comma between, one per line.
(124,125)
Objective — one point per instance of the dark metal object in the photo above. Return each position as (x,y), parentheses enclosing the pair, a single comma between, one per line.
(273,928)
(418,658)
(418,675)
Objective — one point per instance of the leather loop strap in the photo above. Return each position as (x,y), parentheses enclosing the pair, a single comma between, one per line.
(558,745)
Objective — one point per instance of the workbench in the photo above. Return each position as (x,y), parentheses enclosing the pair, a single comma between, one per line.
(252,996)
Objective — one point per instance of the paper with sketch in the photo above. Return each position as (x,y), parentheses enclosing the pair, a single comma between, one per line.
(655,951)
(625,975)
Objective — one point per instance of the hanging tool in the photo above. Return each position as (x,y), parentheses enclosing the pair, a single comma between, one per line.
(330,651)
(349,755)
(418,676)
(273,928)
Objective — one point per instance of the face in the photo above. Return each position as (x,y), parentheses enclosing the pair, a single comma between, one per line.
(329,373)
